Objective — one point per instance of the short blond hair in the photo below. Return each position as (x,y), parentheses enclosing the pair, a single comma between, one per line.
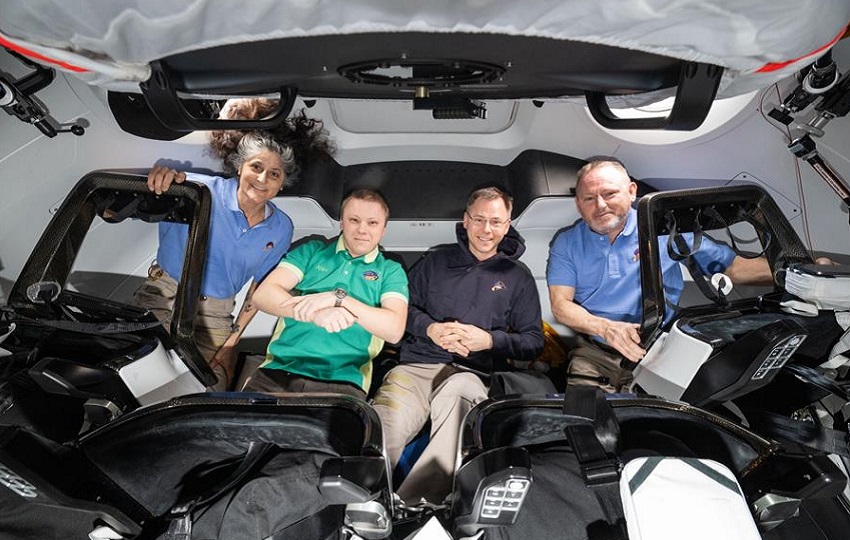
(366,195)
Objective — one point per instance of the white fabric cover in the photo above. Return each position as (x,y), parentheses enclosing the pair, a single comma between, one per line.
(696,499)
(832,292)
(116,39)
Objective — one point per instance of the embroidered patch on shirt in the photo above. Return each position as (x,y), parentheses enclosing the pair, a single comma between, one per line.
(498,286)
(370,275)
(636,255)
(269,246)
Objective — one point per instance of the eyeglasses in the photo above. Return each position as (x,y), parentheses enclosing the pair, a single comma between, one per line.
(481,222)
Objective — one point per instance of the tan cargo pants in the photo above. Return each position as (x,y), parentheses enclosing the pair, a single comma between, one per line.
(408,397)
(213,322)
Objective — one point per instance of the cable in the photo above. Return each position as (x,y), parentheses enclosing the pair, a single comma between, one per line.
(801,194)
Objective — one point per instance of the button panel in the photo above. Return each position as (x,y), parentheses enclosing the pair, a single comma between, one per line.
(778,356)
(501,499)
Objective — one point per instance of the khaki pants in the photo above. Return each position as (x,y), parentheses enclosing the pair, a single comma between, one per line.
(591,360)
(213,322)
(408,397)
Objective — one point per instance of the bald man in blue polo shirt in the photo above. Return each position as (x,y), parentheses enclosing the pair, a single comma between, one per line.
(594,276)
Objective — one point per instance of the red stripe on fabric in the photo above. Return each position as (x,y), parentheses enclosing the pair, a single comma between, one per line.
(32,54)
(774,66)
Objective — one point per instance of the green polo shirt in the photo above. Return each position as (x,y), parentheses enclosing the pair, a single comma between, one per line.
(309,350)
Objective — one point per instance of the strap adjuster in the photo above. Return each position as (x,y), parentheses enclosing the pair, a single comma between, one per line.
(604,471)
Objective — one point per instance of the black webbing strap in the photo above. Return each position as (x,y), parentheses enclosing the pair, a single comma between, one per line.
(600,471)
(807,434)
(652,462)
(684,253)
(743,215)
(119,216)
(180,516)
(814,377)
(682,250)
(596,467)
(589,402)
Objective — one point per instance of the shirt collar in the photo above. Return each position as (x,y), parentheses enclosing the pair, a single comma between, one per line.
(368,258)
(631,223)
(230,195)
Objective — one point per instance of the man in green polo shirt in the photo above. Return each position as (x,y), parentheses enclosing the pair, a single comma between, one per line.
(351,300)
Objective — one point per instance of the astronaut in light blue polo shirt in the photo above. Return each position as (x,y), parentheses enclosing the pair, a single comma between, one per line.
(260,246)
(248,236)
(604,274)
(594,275)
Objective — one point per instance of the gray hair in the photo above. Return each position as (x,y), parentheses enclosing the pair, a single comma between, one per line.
(254,142)
(597,162)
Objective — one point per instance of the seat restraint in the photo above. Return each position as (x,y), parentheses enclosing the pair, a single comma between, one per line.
(181,515)
(594,443)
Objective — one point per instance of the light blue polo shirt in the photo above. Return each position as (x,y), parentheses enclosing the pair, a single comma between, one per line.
(236,253)
(606,276)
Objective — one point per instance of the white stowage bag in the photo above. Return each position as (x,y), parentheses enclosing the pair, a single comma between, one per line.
(675,498)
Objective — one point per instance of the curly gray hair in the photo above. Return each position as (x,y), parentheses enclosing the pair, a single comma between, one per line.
(254,142)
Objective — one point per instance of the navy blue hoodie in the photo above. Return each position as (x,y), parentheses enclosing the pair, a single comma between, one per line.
(498,295)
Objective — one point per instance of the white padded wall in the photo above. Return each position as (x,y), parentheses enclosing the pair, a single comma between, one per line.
(538,224)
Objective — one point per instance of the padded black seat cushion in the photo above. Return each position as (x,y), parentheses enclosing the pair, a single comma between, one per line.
(158,454)
(558,484)
(647,426)
(280,495)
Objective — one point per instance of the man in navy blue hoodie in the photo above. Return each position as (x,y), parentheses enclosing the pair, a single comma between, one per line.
(472,307)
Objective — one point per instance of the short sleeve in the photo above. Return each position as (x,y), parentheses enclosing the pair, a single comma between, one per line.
(713,256)
(298,260)
(561,268)
(395,282)
(199,178)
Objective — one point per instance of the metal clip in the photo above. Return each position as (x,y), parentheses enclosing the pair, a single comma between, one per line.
(155,272)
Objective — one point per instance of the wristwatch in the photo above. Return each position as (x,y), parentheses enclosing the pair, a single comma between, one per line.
(340,296)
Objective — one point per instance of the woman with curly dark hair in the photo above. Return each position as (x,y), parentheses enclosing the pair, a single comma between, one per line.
(306,136)
(248,234)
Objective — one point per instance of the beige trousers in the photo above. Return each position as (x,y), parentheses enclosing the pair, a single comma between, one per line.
(408,397)
(590,359)
(213,323)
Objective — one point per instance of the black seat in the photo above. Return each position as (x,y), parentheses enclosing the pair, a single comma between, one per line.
(147,465)
(79,372)
(748,351)
(567,470)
